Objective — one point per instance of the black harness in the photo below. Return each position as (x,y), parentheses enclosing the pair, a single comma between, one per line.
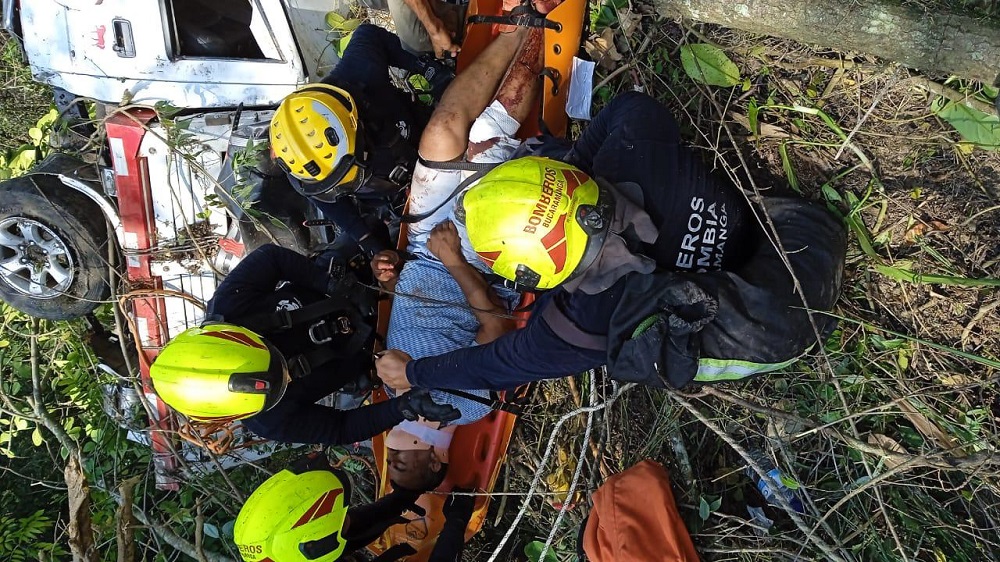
(335,317)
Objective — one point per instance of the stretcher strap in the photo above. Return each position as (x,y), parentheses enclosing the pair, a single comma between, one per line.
(523,20)
(493,403)
(408,218)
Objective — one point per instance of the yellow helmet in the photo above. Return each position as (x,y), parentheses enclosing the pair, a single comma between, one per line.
(219,372)
(536,221)
(297,515)
(316,140)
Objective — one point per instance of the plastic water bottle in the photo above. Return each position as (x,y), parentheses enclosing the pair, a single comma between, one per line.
(764,488)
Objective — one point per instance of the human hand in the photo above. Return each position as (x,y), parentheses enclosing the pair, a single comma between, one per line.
(443,43)
(391,368)
(417,403)
(459,507)
(445,244)
(385,266)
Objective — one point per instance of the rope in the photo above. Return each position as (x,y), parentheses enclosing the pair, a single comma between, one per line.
(579,467)
(433,300)
(545,459)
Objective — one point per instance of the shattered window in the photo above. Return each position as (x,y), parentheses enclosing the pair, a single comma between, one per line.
(234,29)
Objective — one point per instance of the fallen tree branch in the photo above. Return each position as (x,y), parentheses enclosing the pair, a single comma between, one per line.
(124,528)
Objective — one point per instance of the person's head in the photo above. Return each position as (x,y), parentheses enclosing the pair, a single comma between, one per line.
(297,515)
(417,470)
(536,221)
(317,139)
(219,372)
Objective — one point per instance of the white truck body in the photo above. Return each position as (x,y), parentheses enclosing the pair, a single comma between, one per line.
(158,187)
(129,52)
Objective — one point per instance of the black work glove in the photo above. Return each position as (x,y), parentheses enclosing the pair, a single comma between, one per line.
(459,507)
(417,402)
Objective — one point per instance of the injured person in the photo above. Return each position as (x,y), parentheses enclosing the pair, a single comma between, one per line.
(443,301)
(441,305)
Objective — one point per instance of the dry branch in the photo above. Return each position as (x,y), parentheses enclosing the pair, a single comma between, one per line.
(125,529)
(81,530)
(935,43)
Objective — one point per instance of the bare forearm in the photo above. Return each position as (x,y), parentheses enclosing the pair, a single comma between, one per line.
(483,300)
(425,13)
(519,89)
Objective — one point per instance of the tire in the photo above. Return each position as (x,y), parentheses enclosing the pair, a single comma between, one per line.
(53,248)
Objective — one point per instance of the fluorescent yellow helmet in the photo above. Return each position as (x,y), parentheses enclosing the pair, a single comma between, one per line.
(219,372)
(316,140)
(297,515)
(536,221)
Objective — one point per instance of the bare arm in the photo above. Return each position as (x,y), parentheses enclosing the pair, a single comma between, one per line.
(440,36)
(447,134)
(486,305)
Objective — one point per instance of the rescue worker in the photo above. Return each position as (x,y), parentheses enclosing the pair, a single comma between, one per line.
(354,134)
(303,513)
(628,226)
(281,334)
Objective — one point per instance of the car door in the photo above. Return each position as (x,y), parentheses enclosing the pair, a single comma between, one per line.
(192,53)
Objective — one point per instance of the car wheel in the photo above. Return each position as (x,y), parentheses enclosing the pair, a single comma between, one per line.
(53,248)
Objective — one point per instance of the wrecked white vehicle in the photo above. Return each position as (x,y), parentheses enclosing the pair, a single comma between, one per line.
(185,89)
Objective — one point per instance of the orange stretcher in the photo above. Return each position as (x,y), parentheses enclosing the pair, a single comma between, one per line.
(479,450)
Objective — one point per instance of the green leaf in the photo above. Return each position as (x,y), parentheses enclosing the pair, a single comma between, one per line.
(786,164)
(349,25)
(24,160)
(789,482)
(709,65)
(342,44)
(533,550)
(975,126)
(715,505)
(334,20)
(36,134)
(21,424)
(704,509)
(211,530)
(753,111)
(36,438)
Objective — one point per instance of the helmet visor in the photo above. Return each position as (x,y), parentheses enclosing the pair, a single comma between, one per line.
(271,383)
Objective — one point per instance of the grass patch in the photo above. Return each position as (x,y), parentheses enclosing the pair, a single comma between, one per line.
(24,100)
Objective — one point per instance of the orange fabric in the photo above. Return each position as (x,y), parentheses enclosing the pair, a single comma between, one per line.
(635,519)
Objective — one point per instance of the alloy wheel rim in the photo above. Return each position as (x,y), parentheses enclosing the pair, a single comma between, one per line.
(34,260)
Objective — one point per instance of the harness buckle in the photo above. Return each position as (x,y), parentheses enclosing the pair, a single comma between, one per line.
(299,367)
(285,318)
(344,325)
(512,285)
(399,175)
(315,337)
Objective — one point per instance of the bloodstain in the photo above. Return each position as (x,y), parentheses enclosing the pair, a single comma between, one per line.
(477,148)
